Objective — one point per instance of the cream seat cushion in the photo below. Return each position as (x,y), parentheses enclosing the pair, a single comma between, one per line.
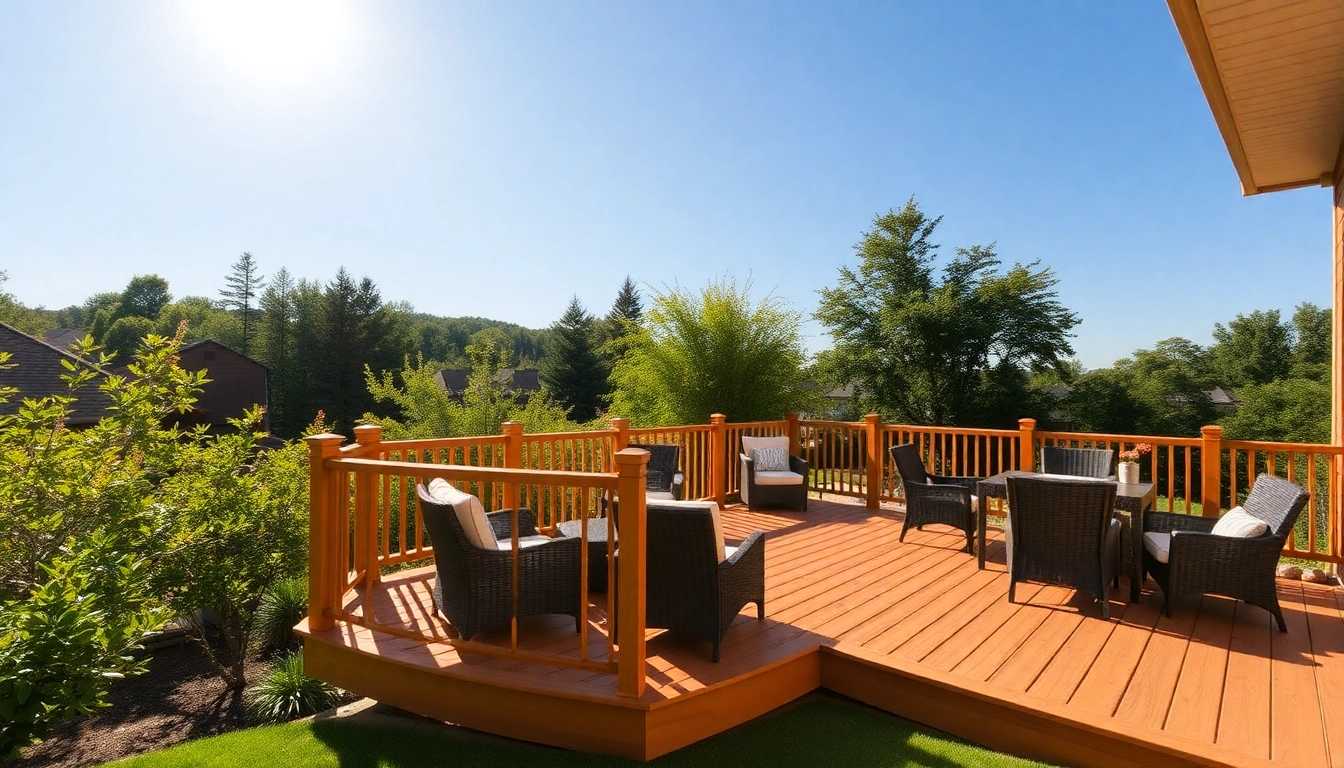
(470,513)
(778,478)
(716,515)
(1158,545)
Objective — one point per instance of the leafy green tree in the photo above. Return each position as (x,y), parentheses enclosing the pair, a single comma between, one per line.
(77,523)
(243,287)
(275,346)
(15,314)
(1312,330)
(145,296)
(924,349)
(713,352)
(239,522)
(126,335)
(1252,349)
(1286,410)
(1159,391)
(572,369)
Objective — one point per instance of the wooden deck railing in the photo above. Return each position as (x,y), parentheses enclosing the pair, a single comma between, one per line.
(365,517)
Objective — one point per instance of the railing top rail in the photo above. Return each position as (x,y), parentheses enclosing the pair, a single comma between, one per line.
(603,480)
(747,424)
(440,442)
(534,437)
(825,423)
(1093,437)
(1267,445)
(950,430)
(665,430)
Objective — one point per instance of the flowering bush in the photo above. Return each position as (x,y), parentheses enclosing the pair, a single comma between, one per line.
(1134,454)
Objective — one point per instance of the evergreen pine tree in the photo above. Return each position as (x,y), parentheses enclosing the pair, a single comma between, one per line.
(245,285)
(572,368)
(276,346)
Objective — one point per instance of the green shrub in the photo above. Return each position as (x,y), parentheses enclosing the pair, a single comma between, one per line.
(285,693)
(281,608)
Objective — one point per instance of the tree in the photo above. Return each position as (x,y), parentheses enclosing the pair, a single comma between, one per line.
(924,350)
(1159,391)
(15,314)
(244,285)
(239,522)
(1252,349)
(572,369)
(1312,327)
(713,352)
(78,521)
(145,296)
(1286,410)
(276,345)
(126,335)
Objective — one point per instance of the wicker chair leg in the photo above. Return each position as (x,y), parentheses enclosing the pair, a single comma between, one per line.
(904,527)
(1012,590)
(714,657)
(1105,608)
(1278,616)
(760,610)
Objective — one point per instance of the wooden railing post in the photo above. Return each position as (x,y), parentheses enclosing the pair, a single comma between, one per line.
(1211,470)
(367,437)
(791,427)
(874,461)
(719,456)
(1026,454)
(631,520)
(622,437)
(513,459)
(322,531)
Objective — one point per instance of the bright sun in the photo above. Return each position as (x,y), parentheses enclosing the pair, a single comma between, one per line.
(274,43)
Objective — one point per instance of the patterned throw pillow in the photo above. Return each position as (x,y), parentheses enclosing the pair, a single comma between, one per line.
(771,459)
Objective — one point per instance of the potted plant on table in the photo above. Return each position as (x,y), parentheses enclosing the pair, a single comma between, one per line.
(1129,462)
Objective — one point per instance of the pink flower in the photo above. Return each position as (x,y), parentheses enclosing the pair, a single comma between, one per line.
(1137,452)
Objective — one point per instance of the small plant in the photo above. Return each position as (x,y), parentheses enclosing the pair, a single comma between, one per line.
(282,606)
(1133,455)
(284,693)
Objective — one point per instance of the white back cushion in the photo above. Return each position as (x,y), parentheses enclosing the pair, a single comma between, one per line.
(1240,524)
(750,444)
(470,513)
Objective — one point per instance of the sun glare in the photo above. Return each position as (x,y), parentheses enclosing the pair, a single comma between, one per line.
(275,43)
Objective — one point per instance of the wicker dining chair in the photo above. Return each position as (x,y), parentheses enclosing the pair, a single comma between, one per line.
(664,477)
(1063,532)
(688,589)
(473,586)
(934,498)
(1081,462)
(774,487)
(1200,562)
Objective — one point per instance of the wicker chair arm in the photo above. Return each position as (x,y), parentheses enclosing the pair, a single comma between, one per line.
(1206,549)
(1166,522)
(744,549)
(502,523)
(958,494)
(798,465)
(968,483)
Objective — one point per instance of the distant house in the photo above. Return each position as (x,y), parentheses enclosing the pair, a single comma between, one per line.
(1060,420)
(37,373)
(520,381)
(237,382)
(62,338)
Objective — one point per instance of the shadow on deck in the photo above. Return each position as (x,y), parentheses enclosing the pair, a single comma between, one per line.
(913,628)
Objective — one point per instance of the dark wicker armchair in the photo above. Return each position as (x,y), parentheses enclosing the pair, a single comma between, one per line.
(1063,532)
(1198,562)
(1081,462)
(776,488)
(934,498)
(688,590)
(664,476)
(473,588)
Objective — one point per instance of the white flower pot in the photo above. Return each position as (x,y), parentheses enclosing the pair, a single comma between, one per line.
(1129,472)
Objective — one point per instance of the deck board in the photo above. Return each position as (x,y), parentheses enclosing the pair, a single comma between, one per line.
(1216,679)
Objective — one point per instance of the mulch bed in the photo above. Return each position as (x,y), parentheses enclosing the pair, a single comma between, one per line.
(179,698)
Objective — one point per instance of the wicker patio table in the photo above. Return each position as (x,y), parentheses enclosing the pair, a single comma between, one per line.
(1135,499)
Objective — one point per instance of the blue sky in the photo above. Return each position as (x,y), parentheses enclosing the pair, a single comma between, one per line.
(496,158)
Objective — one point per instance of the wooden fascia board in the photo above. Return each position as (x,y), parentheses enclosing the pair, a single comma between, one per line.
(1190,26)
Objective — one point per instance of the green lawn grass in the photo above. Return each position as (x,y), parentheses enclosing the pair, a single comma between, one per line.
(819,731)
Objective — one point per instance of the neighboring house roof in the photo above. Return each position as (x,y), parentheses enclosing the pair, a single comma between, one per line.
(1218,396)
(38,371)
(454,380)
(1221,397)
(62,338)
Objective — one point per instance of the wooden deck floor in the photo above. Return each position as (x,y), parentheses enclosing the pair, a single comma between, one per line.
(916,629)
